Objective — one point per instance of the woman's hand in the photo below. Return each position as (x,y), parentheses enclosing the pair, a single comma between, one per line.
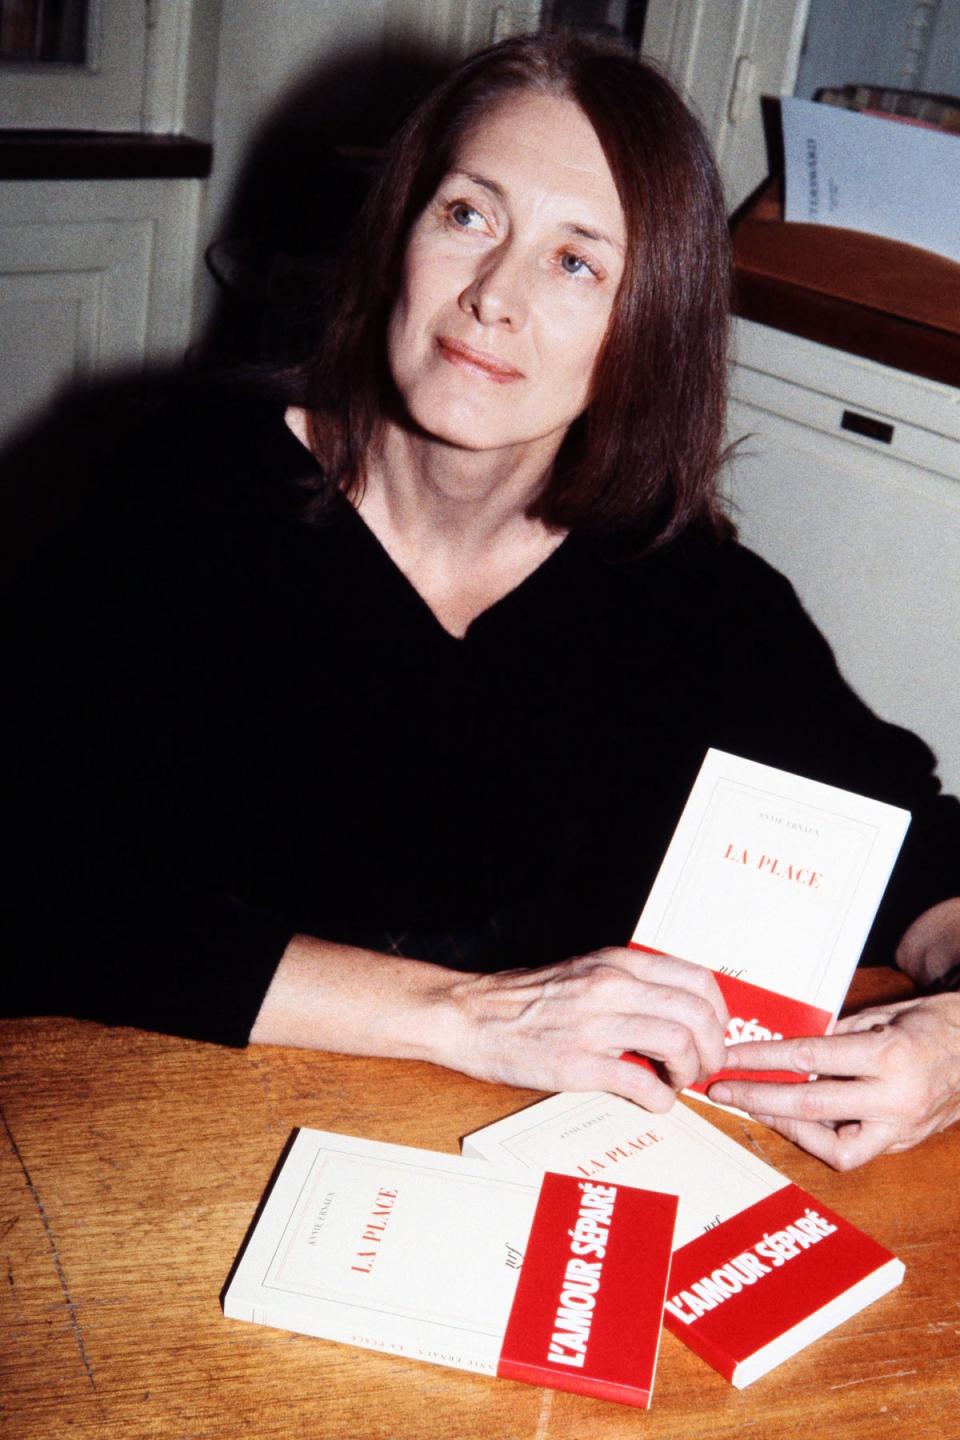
(567,1026)
(562,1027)
(888,1077)
(930,950)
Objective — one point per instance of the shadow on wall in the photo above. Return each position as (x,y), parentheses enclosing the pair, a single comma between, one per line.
(298,192)
(300,188)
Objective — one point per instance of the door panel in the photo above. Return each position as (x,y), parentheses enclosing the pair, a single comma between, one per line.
(724,57)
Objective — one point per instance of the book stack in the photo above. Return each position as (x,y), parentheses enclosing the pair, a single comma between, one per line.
(555,1248)
(911,107)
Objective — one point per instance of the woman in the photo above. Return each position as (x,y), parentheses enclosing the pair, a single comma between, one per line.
(393,777)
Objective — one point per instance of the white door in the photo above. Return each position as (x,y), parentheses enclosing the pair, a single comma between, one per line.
(724,55)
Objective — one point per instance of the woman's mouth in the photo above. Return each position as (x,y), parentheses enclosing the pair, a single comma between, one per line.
(455,352)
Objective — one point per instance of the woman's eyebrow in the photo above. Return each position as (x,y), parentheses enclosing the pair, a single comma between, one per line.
(482,181)
(599,237)
(581,232)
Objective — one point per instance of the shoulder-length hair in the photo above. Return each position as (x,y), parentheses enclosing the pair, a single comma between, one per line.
(644,456)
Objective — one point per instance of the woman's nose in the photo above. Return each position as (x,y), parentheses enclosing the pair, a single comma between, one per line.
(498,292)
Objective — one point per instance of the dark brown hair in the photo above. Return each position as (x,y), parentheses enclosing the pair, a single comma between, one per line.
(644,456)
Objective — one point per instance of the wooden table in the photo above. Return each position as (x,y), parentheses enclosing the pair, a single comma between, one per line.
(133,1163)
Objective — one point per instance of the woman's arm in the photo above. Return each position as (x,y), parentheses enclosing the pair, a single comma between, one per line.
(561,1027)
(888,1076)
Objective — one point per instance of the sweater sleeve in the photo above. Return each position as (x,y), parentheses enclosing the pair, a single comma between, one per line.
(781,699)
(120,897)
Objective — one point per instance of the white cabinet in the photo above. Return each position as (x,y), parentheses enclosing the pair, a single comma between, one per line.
(94,275)
(866,525)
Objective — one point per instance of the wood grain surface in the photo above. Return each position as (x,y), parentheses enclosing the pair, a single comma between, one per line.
(133,1165)
(863,294)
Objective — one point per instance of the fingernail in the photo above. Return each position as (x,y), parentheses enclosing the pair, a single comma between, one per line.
(721,1093)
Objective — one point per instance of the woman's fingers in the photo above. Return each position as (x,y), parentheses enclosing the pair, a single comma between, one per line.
(845,1146)
(658,969)
(887,1078)
(808,1055)
(566,1027)
(656,1006)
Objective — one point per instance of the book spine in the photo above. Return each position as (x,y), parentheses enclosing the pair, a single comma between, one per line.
(361,1332)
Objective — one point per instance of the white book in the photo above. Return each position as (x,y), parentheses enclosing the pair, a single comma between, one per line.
(760,1269)
(604,1137)
(772,881)
(461,1263)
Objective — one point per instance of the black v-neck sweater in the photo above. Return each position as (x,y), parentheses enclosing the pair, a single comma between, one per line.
(226,727)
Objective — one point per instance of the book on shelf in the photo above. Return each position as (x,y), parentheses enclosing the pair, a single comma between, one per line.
(552,1279)
(911,107)
(760,1269)
(772,881)
(859,172)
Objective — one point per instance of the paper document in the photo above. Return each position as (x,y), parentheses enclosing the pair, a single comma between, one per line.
(879,176)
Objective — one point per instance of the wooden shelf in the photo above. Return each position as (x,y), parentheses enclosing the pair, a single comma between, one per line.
(101,155)
(863,294)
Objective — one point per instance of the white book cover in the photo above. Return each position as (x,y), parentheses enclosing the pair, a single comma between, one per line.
(861,172)
(760,1268)
(461,1263)
(604,1137)
(772,881)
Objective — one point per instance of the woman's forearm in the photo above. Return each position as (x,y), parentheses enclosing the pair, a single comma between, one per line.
(327,996)
(566,1026)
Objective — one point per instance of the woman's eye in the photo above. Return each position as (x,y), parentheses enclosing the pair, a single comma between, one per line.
(575,264)
(465,216)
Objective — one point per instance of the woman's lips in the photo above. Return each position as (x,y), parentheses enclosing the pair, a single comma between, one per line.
(464,356)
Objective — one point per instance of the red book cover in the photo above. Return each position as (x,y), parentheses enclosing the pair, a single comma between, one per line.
(760,1268)
(588,1309)
(771,1279)
(759,1014)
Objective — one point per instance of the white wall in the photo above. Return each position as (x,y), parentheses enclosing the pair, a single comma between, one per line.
(267,49)
(881,42)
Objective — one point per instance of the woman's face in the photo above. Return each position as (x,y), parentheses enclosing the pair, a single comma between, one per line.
(509,280)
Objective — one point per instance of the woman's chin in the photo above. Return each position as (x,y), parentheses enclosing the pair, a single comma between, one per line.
(481,429)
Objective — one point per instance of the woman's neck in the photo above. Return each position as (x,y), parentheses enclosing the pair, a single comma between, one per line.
(456,522)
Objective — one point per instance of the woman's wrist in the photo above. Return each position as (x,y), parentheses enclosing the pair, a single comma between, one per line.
(930,949)
(327,996)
